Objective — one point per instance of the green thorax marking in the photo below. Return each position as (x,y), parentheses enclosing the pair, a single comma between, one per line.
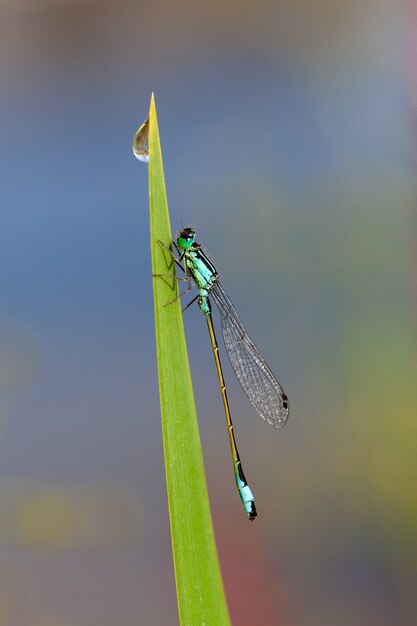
(201,269)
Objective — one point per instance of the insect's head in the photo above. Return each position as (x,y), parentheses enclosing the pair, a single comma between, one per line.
(186,238)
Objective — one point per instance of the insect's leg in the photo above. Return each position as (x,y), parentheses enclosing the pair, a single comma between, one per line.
(187,277)
(172,277)
(184,268)
(183,293)
(176,260)
(174,243)
(190,303)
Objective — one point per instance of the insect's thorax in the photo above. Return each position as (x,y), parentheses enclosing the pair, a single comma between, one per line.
(201,269)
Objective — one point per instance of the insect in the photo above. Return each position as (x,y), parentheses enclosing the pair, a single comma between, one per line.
(252,371)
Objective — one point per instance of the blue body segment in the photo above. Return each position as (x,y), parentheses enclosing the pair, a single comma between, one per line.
(246,496)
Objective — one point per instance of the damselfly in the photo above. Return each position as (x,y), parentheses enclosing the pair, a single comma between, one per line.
(252,371)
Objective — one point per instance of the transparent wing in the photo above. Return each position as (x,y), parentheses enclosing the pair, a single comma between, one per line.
(251,369)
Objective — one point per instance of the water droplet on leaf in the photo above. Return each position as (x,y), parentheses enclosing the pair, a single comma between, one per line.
(140,143)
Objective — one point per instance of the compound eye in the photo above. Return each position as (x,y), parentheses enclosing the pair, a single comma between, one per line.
(187,234)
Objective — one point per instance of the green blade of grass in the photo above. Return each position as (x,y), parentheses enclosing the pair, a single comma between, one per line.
(200,591)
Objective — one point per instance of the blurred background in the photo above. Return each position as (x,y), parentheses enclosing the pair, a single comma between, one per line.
(289,138)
